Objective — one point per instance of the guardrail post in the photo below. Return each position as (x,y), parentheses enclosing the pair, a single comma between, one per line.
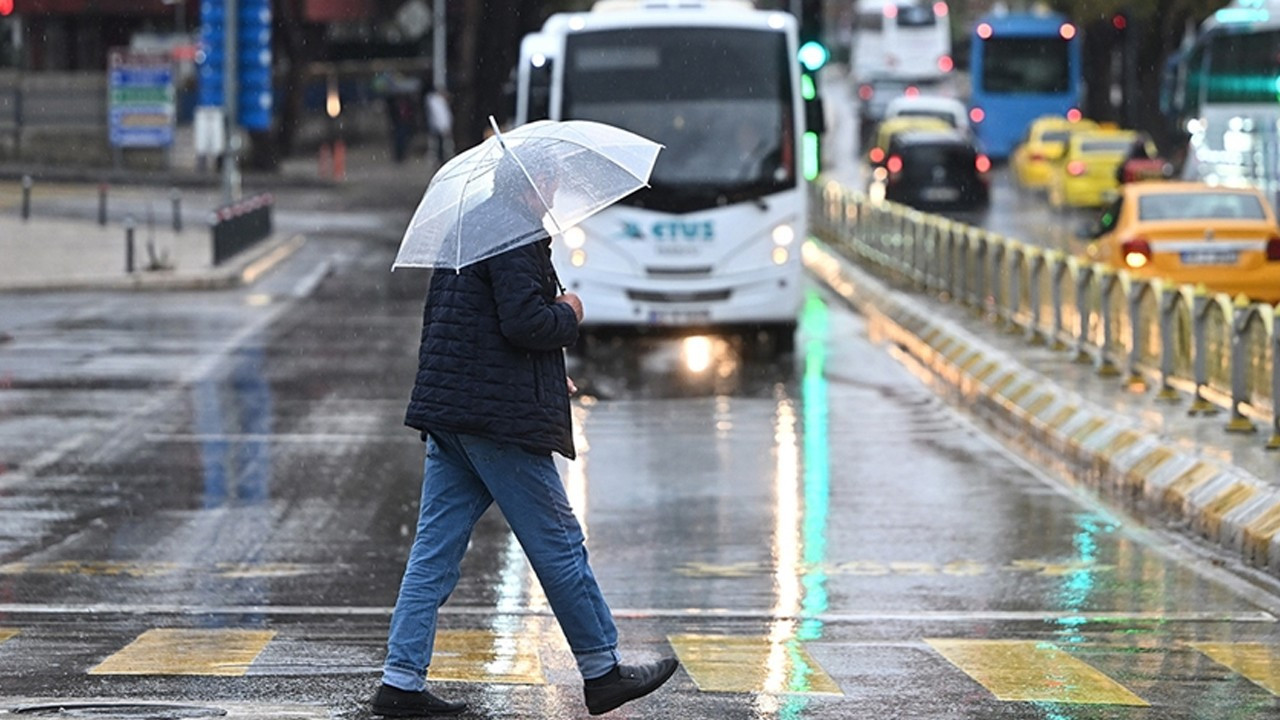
(1200,336)
(1134,376)
(1082,314)
(1168,304)
(964,253)
(1056,272)
(1013,270)
(996,283)
(1239,364)
(1274,442)
(1035,275)
(980,273)
(1106,368)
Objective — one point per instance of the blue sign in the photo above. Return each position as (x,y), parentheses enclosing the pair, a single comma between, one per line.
(140,99)
(253,60)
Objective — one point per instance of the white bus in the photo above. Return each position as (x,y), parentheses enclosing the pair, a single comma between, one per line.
(1226,91)
(714,242)
(905,40)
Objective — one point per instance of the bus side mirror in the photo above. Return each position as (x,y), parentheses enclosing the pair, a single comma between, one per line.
(815,120)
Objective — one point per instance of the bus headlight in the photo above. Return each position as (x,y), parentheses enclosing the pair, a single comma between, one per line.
(780,256)
(783,235)
(574,238)
(578,258)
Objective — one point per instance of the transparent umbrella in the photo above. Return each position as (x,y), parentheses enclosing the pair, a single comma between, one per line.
(517,187)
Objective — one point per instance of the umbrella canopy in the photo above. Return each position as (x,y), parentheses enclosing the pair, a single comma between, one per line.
(516,187)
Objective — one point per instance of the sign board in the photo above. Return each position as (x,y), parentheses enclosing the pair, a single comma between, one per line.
(140,98)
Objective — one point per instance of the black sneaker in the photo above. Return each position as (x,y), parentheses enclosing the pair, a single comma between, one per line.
(626,682)
(394,702)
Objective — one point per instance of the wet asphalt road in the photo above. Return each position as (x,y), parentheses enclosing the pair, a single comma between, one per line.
(206,500)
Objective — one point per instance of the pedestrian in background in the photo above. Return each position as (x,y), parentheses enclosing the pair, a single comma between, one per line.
(491,399)
(439,125)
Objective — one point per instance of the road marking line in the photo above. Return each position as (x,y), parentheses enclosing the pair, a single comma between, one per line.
(1255,661)
(168,651)
(1041,616)
(1032,671)
(488,657)
(725,663)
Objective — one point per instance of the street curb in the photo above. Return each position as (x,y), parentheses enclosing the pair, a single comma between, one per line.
(1149,475)
(243,269)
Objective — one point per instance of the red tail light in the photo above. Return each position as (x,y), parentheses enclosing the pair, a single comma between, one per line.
(982,163)
(876,156)
(1273,248)
(865,92)
(911,91)
(1076,168)
(1074,115)
(1037,157)
(946,64)
(977,115)
(1136,252)
(894,164)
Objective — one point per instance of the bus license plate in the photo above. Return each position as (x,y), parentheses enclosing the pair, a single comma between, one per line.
(679,317)
(1209,257)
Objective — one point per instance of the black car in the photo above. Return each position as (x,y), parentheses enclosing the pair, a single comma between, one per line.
(937,170)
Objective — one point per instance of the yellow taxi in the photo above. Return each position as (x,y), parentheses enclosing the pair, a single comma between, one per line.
(1085,175)
(1226,238)
(1043,144)
(902,123)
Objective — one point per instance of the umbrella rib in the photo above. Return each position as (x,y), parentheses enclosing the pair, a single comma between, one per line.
(462,192)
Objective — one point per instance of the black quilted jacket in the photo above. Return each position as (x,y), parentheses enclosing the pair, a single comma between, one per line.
(491,359)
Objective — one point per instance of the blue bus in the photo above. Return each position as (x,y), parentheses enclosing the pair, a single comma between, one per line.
(1022,66)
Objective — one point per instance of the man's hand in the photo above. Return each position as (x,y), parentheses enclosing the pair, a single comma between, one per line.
(573,301)
(572,388)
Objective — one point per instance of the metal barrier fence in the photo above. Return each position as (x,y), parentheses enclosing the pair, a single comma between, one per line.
(1173,337)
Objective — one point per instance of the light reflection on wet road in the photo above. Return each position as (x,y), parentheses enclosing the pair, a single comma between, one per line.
(818,538)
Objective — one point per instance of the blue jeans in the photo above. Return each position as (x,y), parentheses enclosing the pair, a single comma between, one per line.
(463,475)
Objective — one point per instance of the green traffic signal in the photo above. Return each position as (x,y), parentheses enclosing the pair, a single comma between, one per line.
(813,55)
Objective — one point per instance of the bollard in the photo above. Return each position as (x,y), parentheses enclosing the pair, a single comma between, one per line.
(102,204)
(1106,368)
(128,244)
(339,160)
(26,196)
(1199,312)
(1274,442)
(175,201)
(1168,305)
(1239,363)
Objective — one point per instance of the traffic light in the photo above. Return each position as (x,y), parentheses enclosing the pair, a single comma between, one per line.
(813,55)
(6,8)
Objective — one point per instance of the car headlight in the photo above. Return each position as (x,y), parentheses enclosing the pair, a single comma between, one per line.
(784,235)
(574,238)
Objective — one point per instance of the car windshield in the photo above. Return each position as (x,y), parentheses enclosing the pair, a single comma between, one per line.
(920,161)
(945,117)
(1200,206)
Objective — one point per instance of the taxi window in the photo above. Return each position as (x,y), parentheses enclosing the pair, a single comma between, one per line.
(1056,136)
(1200,206)
(1105,146)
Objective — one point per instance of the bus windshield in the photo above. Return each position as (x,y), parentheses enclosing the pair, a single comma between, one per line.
(719,100)
(1032,65)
